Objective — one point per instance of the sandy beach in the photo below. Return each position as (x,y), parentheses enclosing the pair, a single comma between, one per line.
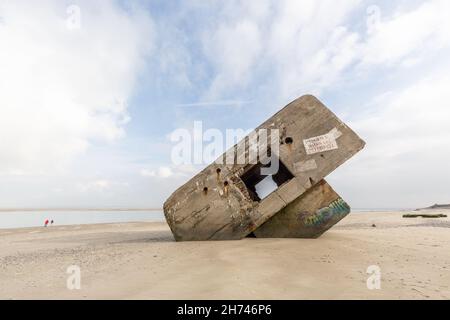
(142,261)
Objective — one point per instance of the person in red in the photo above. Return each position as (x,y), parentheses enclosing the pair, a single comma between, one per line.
(46,222)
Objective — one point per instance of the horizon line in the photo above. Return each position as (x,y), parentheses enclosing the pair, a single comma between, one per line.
(78,209)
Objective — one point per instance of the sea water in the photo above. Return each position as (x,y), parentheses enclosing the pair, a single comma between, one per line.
(24,219)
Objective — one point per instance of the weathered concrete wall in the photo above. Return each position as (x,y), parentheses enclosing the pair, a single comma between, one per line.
(218,205)
(309,216)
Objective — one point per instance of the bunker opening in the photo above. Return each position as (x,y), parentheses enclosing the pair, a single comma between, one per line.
(260,186)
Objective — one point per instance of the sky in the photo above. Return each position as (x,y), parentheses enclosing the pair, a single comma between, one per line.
(91,91)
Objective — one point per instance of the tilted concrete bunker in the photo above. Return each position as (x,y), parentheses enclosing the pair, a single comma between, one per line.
(221,202)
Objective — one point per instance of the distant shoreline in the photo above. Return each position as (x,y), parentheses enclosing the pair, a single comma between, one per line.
(78,209)
(161,209)
(435,207)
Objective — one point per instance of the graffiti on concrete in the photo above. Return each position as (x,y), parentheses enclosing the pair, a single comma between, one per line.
(336,211)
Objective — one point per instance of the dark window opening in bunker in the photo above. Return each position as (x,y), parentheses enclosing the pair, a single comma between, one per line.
(260,186)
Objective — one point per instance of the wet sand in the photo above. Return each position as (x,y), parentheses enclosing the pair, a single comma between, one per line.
(142,261)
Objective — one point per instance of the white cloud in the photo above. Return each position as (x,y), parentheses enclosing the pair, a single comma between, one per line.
(295,46)
(61,88)
(233,50)
(100,185)
(309,46)
(148,173)
(409,35)
(179,171)
(406,159)
(164,172)
(220,103)
(96,185)
(303,43)
(161,172)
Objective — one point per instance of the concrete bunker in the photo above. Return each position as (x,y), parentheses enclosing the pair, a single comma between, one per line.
(227,203)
